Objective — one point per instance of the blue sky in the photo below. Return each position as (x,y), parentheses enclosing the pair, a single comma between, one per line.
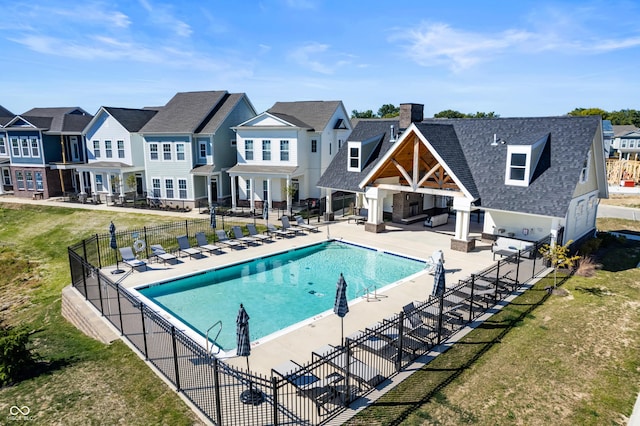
(516,58)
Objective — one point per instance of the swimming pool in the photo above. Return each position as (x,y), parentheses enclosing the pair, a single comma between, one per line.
(277,290)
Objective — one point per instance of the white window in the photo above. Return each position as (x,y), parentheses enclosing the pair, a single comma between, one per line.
(624,143)
(19,179)
(39,185)
(180,151)
(24,143)
(168,187)
(108,149)
(6,176)
(96,149)
(248,149)
(284,150)
(3,146)
(29,180)
(354,158)
(155,184)
(120,149)
(202,150)
(518,166)
(15,146)
(35,149)
(247,187)
(182,188)
(632,143)
(166,151)
(266,150)
(314,145)
(153,151)
(99,184)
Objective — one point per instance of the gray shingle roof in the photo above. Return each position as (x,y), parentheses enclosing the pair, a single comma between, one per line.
(550,193)
(63,119)
(222,112)
(186,112)
(316,114)
(5,115)
(465,146)
(130,118)
(337,177)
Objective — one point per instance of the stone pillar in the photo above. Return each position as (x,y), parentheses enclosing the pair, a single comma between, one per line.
(375,222)
(328,209)
(461,240)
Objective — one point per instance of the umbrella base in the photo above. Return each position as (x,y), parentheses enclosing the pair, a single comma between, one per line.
(118,271)
(252,396)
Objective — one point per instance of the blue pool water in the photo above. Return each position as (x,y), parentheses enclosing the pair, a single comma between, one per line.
(277,291)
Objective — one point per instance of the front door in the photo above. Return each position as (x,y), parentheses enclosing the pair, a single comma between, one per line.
(214,190)
(139,189)
(296,193)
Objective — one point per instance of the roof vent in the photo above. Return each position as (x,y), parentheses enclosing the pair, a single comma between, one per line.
(392,138)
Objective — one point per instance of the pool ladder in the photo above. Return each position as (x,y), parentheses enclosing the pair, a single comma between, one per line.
(366,294)
(216,338)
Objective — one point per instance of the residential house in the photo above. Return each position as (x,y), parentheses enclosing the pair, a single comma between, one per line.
(189,146)
(626,142)
(530,177)
(115,154)
(282,152)
(5,159)
(45,145)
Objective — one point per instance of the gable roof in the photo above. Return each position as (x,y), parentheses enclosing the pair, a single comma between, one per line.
(550,193)
(337,177)
(186,112)
(224,108)
(130,118)
(621,130)
(5,116)
(311,114)
(58,119)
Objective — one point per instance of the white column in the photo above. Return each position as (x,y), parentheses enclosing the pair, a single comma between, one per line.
(375,197)
(94,190)
(555,226)
(233,192)
(252,193)
(81,176)
(2,181)
(463,215)
(209,194)
(269,195)
(328,202)
(289,193)
(122,183)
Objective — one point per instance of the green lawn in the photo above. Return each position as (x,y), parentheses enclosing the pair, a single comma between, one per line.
(543,360)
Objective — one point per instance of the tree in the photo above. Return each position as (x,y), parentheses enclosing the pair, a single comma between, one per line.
(559,257)
(388,111)
(484,115)
(449,113)
(362,114)
(589,111)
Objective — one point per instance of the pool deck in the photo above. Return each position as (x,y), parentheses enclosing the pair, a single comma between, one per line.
(297,344)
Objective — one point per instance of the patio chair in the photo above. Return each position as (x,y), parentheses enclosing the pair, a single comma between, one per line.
(388,330)
(159,252)
(415,326)
(282,233)
(203,243)
(307,384)
(375,344)
(239,236)
(360,371)
(130,259)
(223,239)
(185,246)
(286,225)
(254,233)
(300,223)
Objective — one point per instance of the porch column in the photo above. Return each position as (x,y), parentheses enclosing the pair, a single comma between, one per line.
(328,205)
(233,192)
(121,189)
(375,221)
(209,195)
(269,196)
(1,181)
(555,226)
(288,191)
(81,176)
(461,240)
(252,194)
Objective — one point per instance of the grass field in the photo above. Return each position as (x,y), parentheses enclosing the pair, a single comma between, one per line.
(543,360)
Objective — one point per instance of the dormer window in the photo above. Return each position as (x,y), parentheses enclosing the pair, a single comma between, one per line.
(526,162)
(354,157)
(518,166)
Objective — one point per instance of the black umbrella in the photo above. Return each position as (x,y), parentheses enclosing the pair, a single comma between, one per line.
(114,245)
(340,306)
(265,211)
(250,396)
(212,216)
(438,280)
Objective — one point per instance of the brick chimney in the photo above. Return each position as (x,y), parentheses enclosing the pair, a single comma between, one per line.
(410,113)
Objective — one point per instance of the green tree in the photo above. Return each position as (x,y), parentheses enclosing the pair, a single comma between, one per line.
(559,257)
(15,357)
(589,111)
(484,115)
(449,113)
(388,111)
(362,114)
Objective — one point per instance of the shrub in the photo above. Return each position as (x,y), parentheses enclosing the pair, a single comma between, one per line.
(587,267)
(15,357)
(590,246)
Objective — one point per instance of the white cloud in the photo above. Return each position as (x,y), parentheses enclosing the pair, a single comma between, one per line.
(318,58)
(161,14)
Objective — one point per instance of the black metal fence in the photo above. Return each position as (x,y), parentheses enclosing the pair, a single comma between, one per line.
(313,393)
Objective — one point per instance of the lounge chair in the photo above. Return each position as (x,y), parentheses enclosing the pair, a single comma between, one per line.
(130,259)
(320,391)
(254,233)
(239,236)
(375,344)
(300,223)
(159,252)
(185,246)
(203,243)
(272,230)
(223,239)
(415,326)
(360,371)
(409,345)
(286,225)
